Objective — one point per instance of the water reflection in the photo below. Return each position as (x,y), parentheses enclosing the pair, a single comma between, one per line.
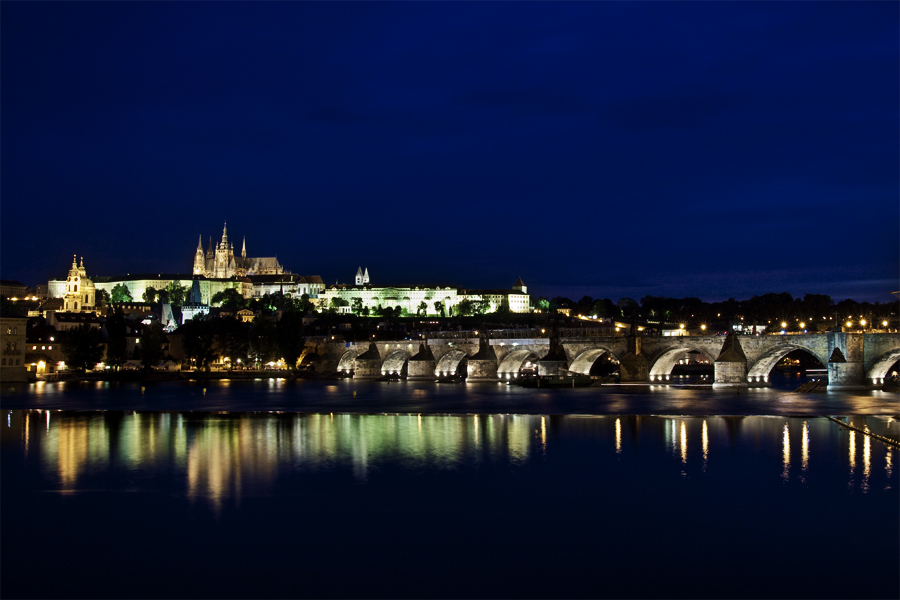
(226,456)
(786,452)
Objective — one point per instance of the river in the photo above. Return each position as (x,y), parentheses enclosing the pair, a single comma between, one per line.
(299,489)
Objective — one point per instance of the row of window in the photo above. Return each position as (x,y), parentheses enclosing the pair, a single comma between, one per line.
(3,362)
(42,347)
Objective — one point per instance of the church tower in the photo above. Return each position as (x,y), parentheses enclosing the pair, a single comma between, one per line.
(244,248)
(520,285)
(199,260)
(224,256)
(80,290)
(366,277)
(359,275)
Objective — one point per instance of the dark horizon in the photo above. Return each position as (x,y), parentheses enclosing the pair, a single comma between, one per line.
(611,150)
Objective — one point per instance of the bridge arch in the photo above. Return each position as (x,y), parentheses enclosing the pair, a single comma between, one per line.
(759,371)
(348,361)
(512,363)
(584,361)
(395,363)
(879,370)
(662,366)
(449,362)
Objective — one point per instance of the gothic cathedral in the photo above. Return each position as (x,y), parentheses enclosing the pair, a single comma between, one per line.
(219,262)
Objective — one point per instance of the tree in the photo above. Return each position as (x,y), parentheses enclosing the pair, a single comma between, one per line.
(150,294)
(464,307)
(83,347)
(357,306)
(439,307)
(116,340)
(198,338)
(102,298)
(336,303)
(153,349)
(289,337)
(178,294)
(233,340)
(121,293)
(228,298)
(423,308)
(263,346)
(305,305)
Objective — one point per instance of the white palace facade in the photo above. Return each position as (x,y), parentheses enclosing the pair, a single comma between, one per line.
(410,297)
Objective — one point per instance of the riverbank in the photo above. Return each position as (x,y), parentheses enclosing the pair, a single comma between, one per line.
(137,376)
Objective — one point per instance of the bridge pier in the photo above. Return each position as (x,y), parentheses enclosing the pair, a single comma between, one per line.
(731,365)
(483,366)
(846,370)
(368,364)
(421,366)
(634,366)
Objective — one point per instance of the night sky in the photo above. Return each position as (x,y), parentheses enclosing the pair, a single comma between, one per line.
(605,149)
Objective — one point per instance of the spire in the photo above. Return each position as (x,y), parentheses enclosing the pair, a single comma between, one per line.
(209,251)
(200,245)
(244,249)
(225,235)
(366,276)
(74,262)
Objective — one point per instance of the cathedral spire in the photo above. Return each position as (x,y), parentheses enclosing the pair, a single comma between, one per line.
(244,249)
(200,245)
(225,236)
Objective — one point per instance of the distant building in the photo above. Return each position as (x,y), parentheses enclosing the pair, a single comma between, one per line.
(80,291)
(12,349)
(219,262)
(12,289)
(289,284)
(410,297)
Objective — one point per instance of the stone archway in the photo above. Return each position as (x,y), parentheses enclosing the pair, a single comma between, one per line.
(348,361)
(662,366)
(584,361)
(882,365)
(759,371)
(395,363)
(512,363)
(449,363)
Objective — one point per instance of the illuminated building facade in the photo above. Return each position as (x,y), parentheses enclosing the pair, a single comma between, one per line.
(79,290)
(219,262)
(410,297)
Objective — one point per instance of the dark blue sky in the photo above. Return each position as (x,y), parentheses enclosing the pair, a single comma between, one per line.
(610,149)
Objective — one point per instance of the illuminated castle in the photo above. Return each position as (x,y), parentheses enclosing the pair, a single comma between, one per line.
(219,261)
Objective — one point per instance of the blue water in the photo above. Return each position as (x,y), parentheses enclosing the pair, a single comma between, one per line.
(264,504)
(427,397)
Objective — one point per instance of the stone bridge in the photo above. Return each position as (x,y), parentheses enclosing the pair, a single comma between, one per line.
(853,360)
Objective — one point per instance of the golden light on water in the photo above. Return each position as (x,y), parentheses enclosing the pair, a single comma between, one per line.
(805,446)
(705,441)
(544,434)
(786,451)
(867,460)
(852,451)
(618,436)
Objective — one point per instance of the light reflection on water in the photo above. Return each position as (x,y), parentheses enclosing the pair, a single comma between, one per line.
(225,456)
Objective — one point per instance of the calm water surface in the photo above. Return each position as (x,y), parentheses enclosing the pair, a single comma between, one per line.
(168,503)
(426,397)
